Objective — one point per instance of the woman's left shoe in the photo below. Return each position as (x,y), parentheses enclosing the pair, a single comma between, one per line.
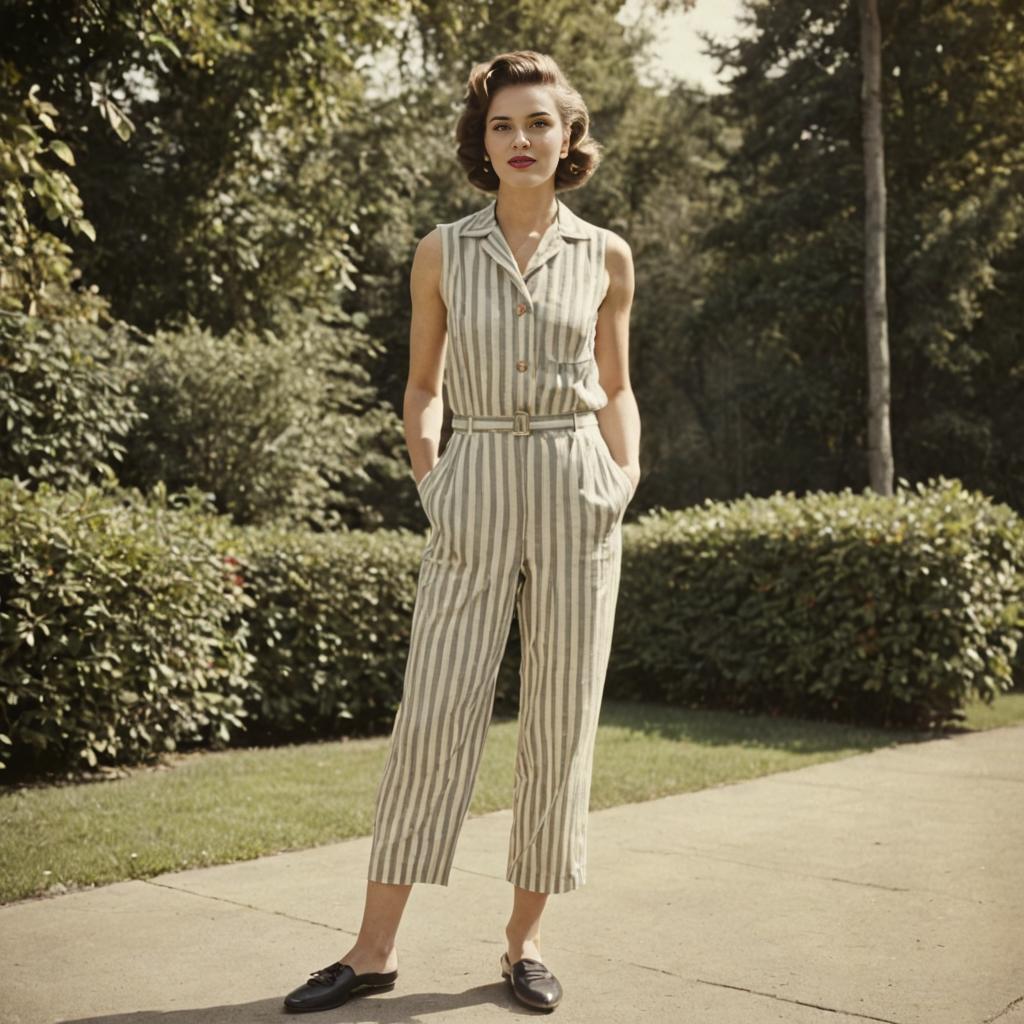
(333,985)
(533,984)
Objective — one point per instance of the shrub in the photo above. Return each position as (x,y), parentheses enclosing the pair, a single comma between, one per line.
(279,427)
(132,626)
(237,417)
(329,628)
(129,627)
(122,631)
(66,403)
(857,607)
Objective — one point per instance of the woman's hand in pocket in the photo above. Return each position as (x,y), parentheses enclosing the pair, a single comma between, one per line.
(419,482)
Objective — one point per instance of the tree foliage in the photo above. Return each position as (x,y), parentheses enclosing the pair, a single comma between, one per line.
(783,317)
(258,176)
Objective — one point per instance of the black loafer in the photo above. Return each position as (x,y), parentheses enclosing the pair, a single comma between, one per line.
(533,984)
(333,985)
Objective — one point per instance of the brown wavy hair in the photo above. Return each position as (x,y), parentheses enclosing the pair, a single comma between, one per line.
(524,67)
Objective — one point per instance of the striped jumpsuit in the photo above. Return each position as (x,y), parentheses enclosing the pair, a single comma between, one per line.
(523,522)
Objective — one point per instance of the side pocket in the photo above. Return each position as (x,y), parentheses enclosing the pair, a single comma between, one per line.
(426,477)
(618,470)
(427,481)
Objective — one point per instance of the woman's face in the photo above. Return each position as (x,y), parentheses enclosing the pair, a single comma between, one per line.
(523,135)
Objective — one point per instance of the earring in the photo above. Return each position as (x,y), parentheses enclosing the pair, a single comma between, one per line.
(487,159)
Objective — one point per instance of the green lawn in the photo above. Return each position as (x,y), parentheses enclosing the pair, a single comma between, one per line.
(211,808)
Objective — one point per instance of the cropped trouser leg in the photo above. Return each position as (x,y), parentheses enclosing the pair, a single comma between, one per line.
(548,505)
(464,600)
(576,497)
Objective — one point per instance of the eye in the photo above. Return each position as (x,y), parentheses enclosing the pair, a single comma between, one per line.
(502,125)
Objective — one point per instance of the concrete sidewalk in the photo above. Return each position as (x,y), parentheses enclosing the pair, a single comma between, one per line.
(888,886)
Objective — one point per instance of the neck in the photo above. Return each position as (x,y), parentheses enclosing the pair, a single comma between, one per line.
(526,211)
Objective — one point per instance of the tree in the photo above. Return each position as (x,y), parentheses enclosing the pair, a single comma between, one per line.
(785,309)
(876,320)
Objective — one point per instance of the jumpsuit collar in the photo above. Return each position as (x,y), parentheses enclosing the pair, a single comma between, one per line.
(485,222)
(484,225)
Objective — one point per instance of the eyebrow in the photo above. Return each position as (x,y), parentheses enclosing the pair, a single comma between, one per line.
(505,117)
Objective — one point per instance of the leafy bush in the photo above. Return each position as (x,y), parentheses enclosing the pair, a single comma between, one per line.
(122,631)
(236,416)
(130,627)
(856,607)
(277,427)
(66,403)
(329,628)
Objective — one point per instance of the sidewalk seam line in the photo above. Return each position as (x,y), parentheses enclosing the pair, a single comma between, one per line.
(247,906)
(1012,1004)
(798,1002)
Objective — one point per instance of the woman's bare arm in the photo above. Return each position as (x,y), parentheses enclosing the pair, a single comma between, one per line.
(423,410)
(620,418)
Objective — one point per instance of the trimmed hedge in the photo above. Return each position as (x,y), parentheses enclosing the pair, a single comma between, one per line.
(122,628)
(129,626)
(863,608)
(329,630)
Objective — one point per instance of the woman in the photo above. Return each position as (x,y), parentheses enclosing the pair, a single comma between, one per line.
(529,306)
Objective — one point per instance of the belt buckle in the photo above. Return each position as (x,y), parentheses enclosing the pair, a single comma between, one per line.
(521,423)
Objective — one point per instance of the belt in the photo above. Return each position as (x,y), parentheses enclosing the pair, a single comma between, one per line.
(522,422)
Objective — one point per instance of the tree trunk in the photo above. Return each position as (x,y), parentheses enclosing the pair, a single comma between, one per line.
(880,464)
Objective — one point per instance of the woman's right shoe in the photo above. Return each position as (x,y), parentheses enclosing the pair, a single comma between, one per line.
(335,984)
(533,984)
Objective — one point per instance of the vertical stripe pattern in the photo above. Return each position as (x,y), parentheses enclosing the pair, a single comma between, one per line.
(524,525)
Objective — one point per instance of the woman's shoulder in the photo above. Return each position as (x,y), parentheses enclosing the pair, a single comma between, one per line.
(616,246)
(428,257)
(433,242)
(618,262)
(430,244)
(480,221)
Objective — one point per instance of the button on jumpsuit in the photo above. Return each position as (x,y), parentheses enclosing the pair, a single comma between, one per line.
(525,523)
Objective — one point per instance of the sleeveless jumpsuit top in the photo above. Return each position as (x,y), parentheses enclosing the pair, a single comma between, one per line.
(522,340)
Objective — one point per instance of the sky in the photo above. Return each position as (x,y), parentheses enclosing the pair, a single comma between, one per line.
(677,51)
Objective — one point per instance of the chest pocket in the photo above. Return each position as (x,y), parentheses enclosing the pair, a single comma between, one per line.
(568,323)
